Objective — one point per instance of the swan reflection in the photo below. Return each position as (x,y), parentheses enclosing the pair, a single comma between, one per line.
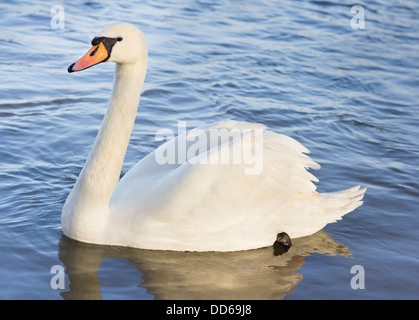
(253,274)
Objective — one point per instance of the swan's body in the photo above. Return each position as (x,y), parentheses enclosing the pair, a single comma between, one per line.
(193,204)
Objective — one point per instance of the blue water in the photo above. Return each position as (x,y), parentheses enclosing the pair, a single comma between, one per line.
(349,95)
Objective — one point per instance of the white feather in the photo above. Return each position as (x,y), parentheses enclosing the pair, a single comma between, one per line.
(235,192)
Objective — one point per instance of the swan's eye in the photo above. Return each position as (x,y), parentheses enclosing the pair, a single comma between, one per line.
(119,39)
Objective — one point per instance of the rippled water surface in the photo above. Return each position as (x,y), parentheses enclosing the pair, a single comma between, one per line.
(349,95)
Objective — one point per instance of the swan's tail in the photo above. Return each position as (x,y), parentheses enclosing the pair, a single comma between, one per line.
(309,213)
(343,202)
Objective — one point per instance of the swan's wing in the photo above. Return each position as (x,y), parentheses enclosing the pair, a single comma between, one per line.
(235,183)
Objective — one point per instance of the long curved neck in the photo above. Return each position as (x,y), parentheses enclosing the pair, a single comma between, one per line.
(101,172)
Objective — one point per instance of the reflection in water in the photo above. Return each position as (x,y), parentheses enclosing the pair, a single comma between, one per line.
(253,274)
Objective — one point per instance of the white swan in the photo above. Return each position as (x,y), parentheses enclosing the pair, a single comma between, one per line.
(189,205)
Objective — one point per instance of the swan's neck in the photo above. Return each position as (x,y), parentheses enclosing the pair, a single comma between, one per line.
(103,166)
(98,179)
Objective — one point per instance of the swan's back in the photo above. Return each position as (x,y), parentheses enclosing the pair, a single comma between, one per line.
(200,203)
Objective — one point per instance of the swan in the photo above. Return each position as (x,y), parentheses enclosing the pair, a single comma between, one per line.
(208,201)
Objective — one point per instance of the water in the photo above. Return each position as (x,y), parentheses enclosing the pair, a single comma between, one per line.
(350,96)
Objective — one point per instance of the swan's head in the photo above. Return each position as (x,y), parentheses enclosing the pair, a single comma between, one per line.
(122,43)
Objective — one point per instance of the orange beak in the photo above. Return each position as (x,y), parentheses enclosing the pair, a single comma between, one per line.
(94,56)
